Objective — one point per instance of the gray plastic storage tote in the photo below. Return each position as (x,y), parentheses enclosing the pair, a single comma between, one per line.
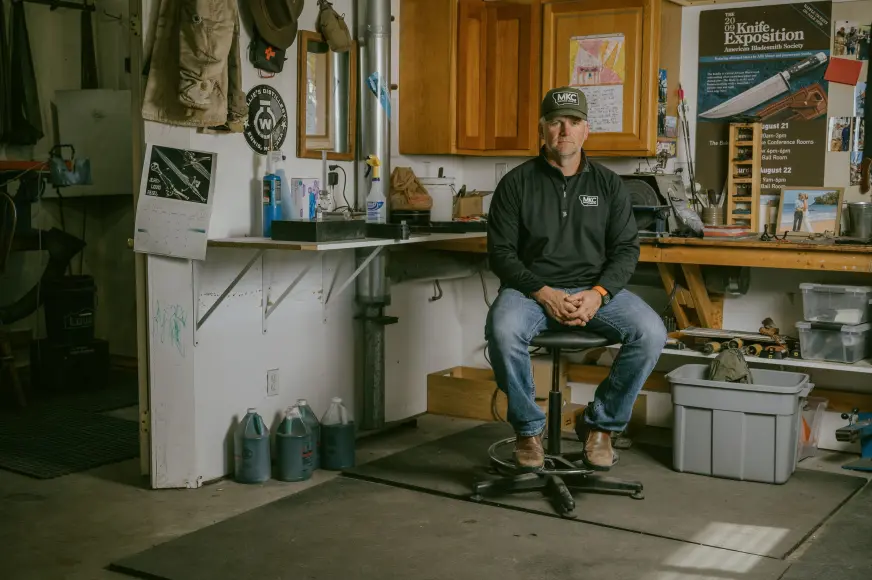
(736,430)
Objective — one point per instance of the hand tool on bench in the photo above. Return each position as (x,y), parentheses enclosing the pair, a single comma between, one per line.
(858,429)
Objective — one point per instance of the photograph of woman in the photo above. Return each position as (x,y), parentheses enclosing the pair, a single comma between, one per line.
(810,211)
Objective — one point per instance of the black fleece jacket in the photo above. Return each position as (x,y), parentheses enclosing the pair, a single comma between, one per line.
(545,229)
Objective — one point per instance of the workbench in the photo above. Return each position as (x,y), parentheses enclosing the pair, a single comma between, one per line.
(679,260)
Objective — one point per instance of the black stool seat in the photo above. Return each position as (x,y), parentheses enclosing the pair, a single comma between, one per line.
(574,338)
(562,471)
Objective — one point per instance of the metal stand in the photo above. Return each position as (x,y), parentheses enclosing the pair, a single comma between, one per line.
(861,429)
(561,472)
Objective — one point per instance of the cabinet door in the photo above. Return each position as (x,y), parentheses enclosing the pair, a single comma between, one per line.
(471,74)
(513,34)
(610,49)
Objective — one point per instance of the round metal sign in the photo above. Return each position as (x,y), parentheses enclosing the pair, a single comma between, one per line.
(266,116)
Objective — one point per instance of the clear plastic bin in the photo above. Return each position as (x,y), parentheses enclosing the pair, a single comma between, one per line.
(834,342)
(810,426)
(836,303)
(735,430)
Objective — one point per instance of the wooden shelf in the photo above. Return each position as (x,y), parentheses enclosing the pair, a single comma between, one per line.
(743,193)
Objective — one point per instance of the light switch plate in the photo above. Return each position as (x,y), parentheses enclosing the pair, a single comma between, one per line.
(272,382)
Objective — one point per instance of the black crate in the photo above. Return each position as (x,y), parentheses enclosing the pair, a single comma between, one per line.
(69,367)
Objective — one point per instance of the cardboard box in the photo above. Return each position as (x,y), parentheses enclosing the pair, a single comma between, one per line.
(471,204)
(471,393)
(305,192)
(542,366)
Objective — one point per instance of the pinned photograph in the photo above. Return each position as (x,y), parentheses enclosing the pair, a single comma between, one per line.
(859,98)
(857,134)
(839,133)
(865,30)
(810,210)
(846,40)
(856,158)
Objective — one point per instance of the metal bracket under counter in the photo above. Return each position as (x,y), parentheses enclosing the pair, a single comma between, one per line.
(268,306)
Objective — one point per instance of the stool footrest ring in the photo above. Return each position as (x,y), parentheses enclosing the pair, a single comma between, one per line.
(560,474)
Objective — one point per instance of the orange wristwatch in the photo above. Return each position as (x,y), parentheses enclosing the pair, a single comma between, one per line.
(604,293)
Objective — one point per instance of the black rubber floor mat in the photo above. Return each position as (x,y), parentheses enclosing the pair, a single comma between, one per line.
(842,549)
(356,529)
(48,442)
(757,518)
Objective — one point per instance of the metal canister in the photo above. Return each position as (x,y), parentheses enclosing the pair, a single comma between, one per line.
(860,219)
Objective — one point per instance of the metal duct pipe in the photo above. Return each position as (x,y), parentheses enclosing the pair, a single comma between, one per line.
(341,92)
(373,31)
(374,37)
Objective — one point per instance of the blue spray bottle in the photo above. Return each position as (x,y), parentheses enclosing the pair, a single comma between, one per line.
(272,193)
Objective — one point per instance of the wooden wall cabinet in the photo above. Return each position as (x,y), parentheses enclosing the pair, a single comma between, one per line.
(469,77)
(623,115)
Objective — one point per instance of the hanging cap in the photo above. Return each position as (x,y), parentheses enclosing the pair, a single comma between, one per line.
(276,20)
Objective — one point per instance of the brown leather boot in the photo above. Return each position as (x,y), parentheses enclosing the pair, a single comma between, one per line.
(598,452)
(529,453)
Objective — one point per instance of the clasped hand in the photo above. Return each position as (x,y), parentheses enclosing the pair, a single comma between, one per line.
(569,309)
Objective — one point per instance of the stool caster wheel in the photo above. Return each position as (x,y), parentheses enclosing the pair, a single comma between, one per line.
(568,516)
(476,497)
(638,495)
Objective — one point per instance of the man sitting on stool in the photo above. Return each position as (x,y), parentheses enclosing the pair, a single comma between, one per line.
(563,241)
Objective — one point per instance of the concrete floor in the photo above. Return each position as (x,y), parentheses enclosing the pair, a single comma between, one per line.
(72,527)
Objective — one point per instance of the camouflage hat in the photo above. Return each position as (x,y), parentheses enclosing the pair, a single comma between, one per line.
(564,101)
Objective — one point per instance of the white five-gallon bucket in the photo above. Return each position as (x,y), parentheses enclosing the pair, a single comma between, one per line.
(442,190)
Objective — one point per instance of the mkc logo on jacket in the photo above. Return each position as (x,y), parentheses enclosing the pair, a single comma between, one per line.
(588,200)
(566,98)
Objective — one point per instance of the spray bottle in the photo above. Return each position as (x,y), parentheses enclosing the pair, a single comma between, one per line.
(376,202)
(272,192)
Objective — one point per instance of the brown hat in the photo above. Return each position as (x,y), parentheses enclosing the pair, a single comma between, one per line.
(276,20)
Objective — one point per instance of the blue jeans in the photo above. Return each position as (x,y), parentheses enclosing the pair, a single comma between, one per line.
(514,320)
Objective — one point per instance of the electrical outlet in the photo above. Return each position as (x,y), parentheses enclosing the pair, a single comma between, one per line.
(501,170)
(272,382)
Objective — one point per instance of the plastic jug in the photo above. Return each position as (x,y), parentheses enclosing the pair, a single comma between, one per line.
(315,427)
(337,437)
(293,447)
(251,449)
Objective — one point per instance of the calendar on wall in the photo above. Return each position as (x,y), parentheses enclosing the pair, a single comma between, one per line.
(175,202)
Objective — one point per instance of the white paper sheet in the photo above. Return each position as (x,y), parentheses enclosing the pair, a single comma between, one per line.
(175,202)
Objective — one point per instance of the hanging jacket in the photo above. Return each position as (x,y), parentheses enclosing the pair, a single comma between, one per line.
(194,67)
(5,110)
(25,123)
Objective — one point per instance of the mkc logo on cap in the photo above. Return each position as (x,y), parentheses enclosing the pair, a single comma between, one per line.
(588,200)
(566,98)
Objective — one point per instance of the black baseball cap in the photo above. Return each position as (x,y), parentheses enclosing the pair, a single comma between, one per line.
(564,101)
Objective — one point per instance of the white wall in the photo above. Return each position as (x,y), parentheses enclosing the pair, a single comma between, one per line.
(56,49)
(197,398)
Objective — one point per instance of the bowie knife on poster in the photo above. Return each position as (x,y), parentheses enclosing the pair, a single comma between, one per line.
(771,87)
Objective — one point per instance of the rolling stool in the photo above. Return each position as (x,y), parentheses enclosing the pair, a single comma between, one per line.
(561,470)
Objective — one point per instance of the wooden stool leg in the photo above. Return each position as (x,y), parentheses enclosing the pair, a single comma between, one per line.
(7,354)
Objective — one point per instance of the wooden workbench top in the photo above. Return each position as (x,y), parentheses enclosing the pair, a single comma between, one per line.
(750,252)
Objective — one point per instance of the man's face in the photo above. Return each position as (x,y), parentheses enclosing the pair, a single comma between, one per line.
(564,135)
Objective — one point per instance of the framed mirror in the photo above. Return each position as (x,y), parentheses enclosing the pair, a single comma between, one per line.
(326,99)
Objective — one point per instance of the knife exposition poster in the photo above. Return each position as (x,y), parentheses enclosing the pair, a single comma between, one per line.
(766,62)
